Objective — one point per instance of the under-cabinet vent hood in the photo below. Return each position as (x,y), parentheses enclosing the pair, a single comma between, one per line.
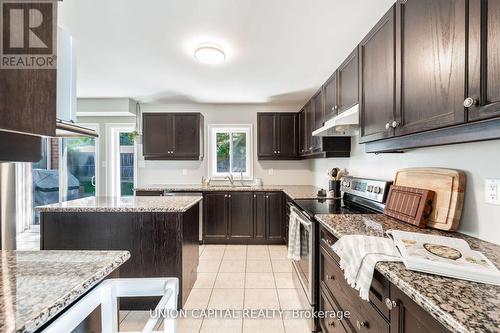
(344,124)
(68,129)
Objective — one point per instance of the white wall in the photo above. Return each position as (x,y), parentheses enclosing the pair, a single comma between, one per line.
(171,172)
(479,160)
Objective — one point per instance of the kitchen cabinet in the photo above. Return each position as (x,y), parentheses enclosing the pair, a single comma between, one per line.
(274,216)
(259,215)
(215,218)
(277,136)
(409,317)
(241,217)
(303,147)
(330,97)
(483,98)
(317,106)
(377,69)
(347,83)
(309,110)
(173,136)
(388,309)
(240,205)
(430,72)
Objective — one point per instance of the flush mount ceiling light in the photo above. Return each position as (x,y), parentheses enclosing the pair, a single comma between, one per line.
(209,54)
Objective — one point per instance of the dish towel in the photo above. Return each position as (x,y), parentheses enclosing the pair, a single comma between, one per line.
(294,236)
(358,257)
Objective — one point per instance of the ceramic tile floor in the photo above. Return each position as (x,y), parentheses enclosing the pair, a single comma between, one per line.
(237,277)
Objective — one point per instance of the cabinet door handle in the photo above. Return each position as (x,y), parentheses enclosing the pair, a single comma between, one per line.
(390,304)
(361,324)
(469,101)
(230,195)
(255,195)
(394,124)
(329,277)
(279,152)
(387,126)
(225,195)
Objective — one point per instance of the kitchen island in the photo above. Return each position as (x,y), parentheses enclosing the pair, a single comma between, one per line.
(38,285)
(161,234)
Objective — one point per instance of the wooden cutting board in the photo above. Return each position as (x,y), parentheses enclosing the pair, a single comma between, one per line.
(409,204)
(448,186)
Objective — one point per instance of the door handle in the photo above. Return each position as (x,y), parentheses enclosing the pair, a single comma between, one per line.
(92,181)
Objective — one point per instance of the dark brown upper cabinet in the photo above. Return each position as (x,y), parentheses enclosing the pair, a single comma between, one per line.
(173,136)
(330,97)
(347,83)
(317,105)
(483,99)
(302,132)
(309,110)
(377,85)
(430,64)
(277,136)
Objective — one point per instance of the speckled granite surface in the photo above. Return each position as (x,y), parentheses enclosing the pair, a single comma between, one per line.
(461,306)
(36,285)
(124,204)
(293,191)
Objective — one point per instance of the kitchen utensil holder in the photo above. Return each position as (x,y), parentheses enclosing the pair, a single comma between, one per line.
(334,187)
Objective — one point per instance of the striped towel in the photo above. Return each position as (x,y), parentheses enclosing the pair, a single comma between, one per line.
(358,257)
(294,236)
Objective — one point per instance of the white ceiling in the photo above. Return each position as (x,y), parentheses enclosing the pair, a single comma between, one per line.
(278,51)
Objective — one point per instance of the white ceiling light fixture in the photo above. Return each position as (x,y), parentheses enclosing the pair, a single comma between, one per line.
(210,54)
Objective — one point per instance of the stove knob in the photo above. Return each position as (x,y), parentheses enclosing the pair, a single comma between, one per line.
(370,188)
(347,184)
(377,190)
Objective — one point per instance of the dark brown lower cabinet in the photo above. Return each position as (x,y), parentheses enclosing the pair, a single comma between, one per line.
(259,216)
(215,216)
(239,217)
(408,317)
(274,216)
(373,316)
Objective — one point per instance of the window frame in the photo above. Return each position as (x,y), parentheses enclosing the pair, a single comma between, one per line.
(213,129)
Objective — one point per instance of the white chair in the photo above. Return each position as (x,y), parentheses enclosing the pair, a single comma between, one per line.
(106,295)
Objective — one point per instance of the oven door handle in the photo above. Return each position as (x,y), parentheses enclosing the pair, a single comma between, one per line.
(302,218)
(305,223)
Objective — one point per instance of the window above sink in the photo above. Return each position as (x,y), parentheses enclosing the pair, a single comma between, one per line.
(230,151)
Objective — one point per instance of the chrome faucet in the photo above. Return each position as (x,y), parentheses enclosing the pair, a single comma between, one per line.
(231,179)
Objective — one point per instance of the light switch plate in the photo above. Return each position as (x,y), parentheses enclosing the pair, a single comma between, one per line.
(184,172)
(270,172)
(492,194)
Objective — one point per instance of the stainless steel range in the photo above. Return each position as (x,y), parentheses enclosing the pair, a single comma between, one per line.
(360,196)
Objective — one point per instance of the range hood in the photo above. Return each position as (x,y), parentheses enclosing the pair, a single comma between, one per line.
(66,129)
(344,124)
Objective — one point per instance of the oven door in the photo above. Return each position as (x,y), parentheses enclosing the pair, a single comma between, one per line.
(303,267)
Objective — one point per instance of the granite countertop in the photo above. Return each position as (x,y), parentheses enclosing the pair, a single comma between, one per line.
(293,191)
(36,285)
(461,306)
(124,204)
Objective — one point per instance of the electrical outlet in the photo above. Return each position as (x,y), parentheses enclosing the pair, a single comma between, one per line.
(270,172)
(184,172)
(492,191)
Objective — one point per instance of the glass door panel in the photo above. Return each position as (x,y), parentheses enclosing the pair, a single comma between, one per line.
(79,157)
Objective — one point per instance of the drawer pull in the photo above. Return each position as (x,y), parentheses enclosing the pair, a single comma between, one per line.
(390,304)
(331,323)
(328,241)
(361,324)
(329,277)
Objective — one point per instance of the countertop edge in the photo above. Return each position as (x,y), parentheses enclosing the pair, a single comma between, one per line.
(62,303)
(444,318)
